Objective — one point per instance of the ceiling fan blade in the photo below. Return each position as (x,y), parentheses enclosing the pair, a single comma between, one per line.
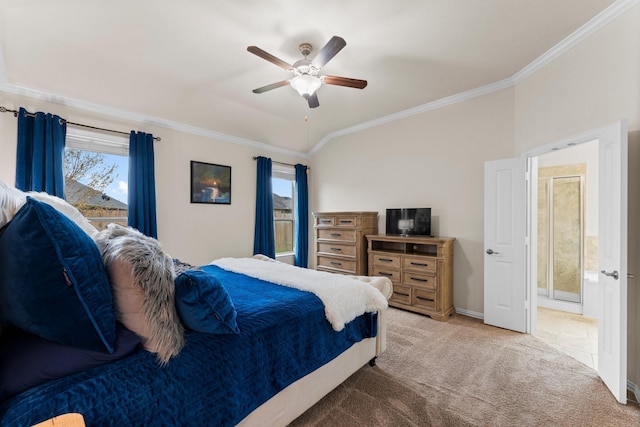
(266,55)
(271,86)
(329,50)
(345,81)
(313,101)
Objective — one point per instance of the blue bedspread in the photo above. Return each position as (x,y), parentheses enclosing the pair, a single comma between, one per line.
(216,380)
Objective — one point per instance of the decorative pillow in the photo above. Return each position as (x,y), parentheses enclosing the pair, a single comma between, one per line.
(203,304)
(52,280)
(27,360)
(11,200)
(142,276)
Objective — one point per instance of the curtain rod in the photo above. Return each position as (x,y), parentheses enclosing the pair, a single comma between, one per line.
(281,163)
(15,114)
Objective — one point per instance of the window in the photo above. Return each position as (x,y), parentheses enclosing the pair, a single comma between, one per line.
(283,182)
(96,176)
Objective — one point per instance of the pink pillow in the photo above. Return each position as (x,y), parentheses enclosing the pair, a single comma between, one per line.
(142,282)
(128,299)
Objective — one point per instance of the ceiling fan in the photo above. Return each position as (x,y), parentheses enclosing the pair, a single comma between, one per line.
(306,79)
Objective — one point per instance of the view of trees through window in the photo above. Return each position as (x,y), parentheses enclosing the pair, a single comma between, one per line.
(283,214)
(97,184)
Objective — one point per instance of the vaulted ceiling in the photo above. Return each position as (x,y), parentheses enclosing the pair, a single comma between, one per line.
(185,64)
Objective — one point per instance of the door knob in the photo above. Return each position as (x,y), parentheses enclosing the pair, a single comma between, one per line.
(613,274)
(491,252)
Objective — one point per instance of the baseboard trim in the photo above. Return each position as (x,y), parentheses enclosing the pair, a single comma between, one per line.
(469,313)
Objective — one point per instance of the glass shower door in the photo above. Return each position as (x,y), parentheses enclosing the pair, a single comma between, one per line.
(560,244)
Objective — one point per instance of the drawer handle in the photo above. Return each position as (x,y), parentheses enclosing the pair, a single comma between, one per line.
(425,299)
(382,273)
(345,221)
(418,279)
(325,221)
(418,264)
(401,294)
(336,234)
(386,260)
(336,263)
(336,249)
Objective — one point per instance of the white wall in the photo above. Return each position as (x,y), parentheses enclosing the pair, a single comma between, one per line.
(435,159)
(195,233)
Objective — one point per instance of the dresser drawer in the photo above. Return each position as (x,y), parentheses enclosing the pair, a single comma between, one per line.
(424,298)
(334,271)
(415,263)
(337,263)
(327,221)
(383,260)
(345,221)
(337,221)
(401,294)
(393,275)
(427,281)
(338,235)
(337,249)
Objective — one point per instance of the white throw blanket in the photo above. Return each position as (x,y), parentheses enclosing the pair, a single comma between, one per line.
(344,297)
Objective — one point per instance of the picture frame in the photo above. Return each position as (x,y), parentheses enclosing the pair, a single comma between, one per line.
(210,183)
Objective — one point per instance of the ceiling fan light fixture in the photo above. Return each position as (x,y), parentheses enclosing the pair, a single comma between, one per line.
(305,84)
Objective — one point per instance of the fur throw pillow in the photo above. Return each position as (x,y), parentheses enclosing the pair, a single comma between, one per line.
(142,280)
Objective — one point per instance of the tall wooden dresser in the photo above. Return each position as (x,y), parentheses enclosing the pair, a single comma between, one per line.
(341,245)
(421,270)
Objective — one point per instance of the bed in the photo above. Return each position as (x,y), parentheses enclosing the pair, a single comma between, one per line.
(276,347)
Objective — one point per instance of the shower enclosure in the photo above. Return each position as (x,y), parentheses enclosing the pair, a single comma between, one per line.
(561,237)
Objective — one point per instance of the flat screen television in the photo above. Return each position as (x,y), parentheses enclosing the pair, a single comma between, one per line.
(409,222)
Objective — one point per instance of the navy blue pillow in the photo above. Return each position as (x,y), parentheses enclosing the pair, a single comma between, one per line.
(53,283)
(27,360)
(203,304)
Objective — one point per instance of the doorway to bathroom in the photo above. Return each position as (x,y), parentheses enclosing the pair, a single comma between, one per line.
(510,245)
(567,251)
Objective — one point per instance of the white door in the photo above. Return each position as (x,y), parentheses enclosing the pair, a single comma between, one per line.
(504,244)
(612,258)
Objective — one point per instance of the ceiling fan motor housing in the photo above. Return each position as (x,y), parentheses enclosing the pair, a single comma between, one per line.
(305,49)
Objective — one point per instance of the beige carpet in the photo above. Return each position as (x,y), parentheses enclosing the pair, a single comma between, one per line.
(464,373)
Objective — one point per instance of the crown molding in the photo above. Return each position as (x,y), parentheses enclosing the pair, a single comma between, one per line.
(442,102)
(142,118)
(596,23)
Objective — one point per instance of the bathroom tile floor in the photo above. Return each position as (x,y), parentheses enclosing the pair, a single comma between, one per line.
(572,334)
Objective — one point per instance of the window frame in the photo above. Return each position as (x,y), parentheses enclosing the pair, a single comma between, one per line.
(287,173)
(93,141)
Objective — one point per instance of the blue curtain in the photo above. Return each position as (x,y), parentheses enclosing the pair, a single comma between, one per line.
(142,187)
(40,153)
(264,241)
(302,217)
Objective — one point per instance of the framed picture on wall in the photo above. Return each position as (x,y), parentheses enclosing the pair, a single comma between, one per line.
(210,183)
